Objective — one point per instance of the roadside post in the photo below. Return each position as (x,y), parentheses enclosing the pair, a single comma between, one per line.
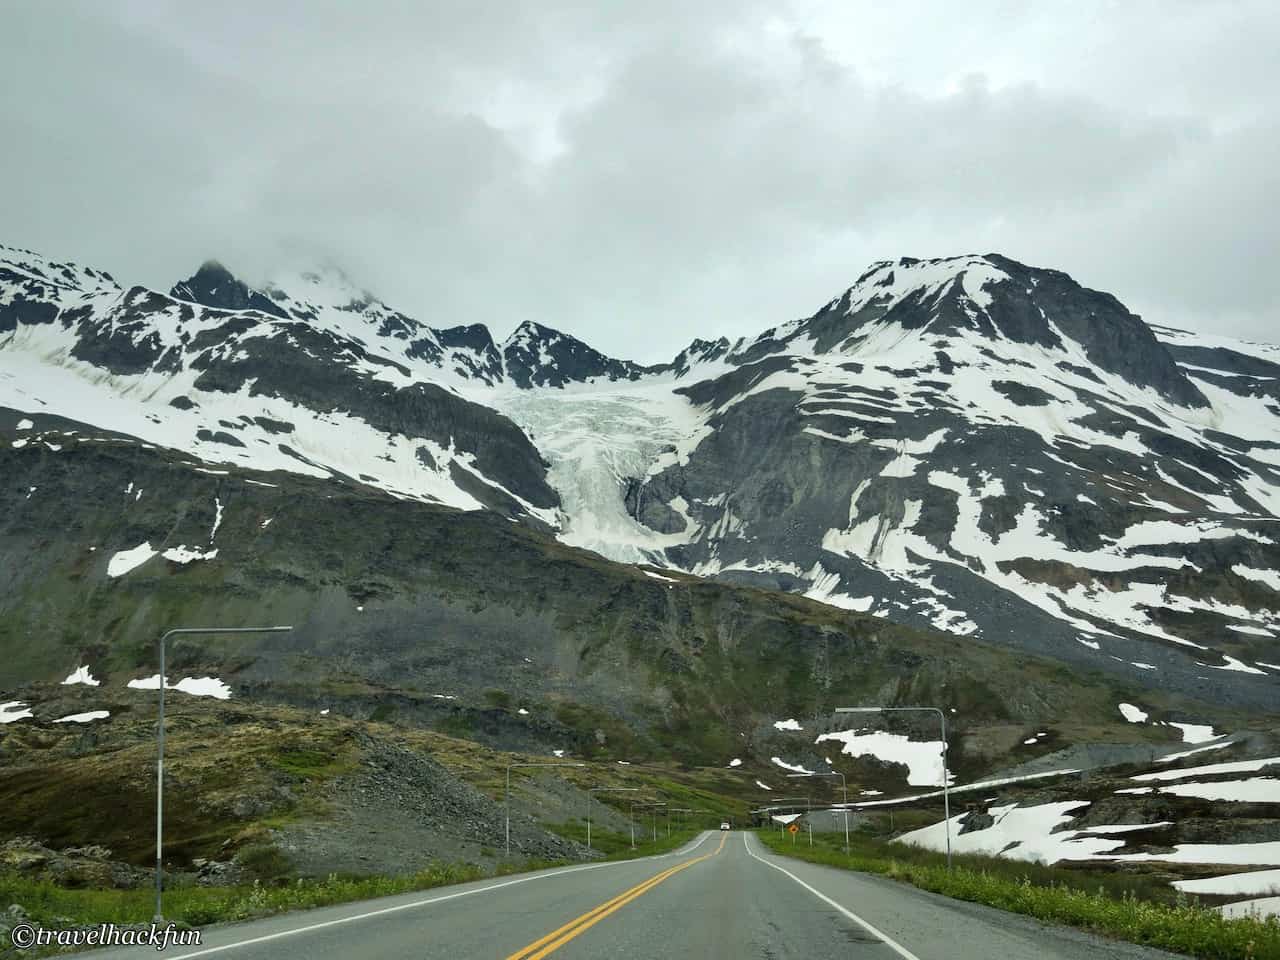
(603,790)
(844,789)
(177,632)
(632,817)
(946,794)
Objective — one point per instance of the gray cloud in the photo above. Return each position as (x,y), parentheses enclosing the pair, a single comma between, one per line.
(641,176)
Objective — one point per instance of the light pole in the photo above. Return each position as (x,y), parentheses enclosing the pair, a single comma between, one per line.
(632,817)
(942,719)
(603,790)
(655,804)
(671,810)
(506,797)
(179,631)
(844,789)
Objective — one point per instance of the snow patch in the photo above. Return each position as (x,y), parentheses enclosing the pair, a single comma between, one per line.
(1270,577)
(794,768)
(1239,884)
(195,686)
(1265,853)
(88,717)
(923,759)
(1250,790)
(127,560)
(81,675)
(1132,713)
(1233,665)
(1235,766)
(13,711)
(1195,732)
(1187,753)
(1019,833)
(658,576)
(184,554)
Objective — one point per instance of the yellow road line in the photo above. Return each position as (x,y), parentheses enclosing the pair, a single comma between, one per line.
(558,937)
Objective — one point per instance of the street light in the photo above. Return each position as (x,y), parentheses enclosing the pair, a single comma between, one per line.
(180,631)
(655,804)
(632,817)
(671,810)
(942,719)
(844,789)
(603,790)
(506,797)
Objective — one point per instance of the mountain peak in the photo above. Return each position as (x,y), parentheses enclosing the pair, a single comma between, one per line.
(213,285)
(529,331)
(888,281)
(539,356)
(995,297)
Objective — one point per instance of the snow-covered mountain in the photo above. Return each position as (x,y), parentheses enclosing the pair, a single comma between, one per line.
(968,443)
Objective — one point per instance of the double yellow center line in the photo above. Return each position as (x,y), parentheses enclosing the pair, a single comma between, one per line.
(561,935)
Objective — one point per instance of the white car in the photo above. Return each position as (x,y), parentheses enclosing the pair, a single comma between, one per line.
(724,825)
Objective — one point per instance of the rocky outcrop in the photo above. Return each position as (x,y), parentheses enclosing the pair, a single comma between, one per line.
(213,285)
(90,866)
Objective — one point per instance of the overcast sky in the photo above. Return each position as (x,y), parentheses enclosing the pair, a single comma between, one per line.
(639,174)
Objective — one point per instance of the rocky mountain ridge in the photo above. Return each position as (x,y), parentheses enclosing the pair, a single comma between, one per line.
(967,444)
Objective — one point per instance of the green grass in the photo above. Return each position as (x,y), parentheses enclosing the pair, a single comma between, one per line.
(1055,896)
(47,902)
(311,764)
(50,903)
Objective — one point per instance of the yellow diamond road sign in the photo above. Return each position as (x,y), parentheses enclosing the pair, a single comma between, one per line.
(794,828)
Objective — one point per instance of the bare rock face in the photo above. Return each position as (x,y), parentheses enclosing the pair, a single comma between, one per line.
(976,819)
(88,866)
(213,285)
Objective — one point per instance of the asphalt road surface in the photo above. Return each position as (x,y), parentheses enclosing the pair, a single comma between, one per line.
(722,896)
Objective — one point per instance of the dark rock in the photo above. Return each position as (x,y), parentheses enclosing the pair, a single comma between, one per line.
(213,285)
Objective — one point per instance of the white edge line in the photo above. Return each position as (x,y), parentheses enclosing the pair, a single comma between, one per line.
(889,941)
(423,903)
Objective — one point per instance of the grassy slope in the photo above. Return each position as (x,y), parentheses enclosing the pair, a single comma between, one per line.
(234,771)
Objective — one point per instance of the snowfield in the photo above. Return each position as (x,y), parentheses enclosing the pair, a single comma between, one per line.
(923,759)
(1035,833)
(1021,833)
(1252,881)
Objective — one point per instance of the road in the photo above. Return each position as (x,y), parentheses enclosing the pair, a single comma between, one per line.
(723,895)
